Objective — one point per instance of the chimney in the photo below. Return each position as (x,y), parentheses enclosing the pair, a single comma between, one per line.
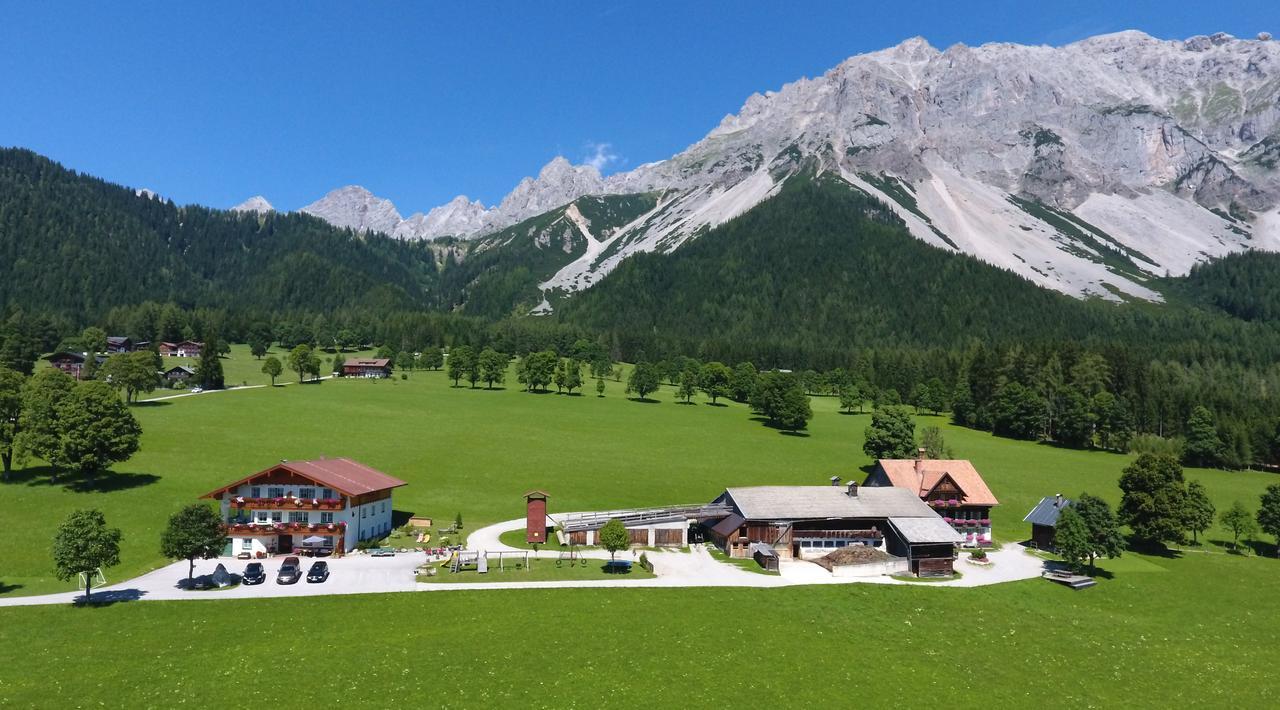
(851,488)
(1058,501)
(835,480)
(920,453)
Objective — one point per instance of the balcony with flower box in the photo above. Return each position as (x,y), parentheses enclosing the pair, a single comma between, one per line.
(287,503)
(241,527)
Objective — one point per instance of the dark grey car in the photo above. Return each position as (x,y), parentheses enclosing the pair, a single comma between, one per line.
(290,572)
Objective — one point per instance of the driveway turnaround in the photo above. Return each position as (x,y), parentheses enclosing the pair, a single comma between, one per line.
(362,574)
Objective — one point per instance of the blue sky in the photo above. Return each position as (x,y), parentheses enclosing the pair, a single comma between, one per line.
(214,102)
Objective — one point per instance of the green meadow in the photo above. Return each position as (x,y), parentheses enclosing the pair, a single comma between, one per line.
(1197,627)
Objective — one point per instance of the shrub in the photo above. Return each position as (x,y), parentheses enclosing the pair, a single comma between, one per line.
(978,555)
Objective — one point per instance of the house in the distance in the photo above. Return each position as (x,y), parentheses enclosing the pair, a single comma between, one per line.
(69,362)
(277,509)
(1044,520)
(186,348)
(179,373)
(379,367)
(119,344)
(953,487)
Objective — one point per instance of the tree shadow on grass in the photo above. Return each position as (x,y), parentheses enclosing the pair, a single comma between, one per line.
(850,414)
(498,388)
(716,404)
(797,434)
(109,598)
(1257,547)
(150,403)
(5,588)
(644,400)
(1154,549)
(104,483)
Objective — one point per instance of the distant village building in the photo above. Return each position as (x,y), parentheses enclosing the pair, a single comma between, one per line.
(179,373)
(953,488)
(119,344)
(186,348)
(73,363)
(810,522)
(367,367)
(277,509)
(1044,520)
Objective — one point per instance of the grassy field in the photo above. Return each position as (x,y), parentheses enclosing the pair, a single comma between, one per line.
(1197,631)
(477,451)
(1158,630)
(240,368)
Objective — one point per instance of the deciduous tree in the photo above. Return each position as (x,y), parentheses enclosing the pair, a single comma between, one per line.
(1200,510)
(1269,513)
(891,435)
(194,532)
(132,372)
(272,368)
(615,538)
(11,382)
(1203,446)
(96,430)
(780,397)
(1239,521)
(1154,500)
(715,380)
(460,363)
(644,379)
(493,367)
(83,545)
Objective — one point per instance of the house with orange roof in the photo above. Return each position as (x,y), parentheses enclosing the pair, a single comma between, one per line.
(952,487)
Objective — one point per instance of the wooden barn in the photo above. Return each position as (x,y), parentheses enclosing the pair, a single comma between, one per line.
(1044,520)
(809,522)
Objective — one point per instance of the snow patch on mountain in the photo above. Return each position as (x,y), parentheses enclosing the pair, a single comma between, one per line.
(257,203)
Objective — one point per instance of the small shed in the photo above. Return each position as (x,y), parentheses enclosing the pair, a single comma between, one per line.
(535,517)
(1044,520)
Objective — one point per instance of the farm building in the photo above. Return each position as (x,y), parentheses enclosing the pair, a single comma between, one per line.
(1044,520)
(72,363)
(648,527)
(367,367)
(179,373)
(274,510)
(952,487)
(809,522)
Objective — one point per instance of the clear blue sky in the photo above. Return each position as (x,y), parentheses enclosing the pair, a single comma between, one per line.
(214,102)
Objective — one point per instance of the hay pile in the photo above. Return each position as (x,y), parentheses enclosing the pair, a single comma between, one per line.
(852,555)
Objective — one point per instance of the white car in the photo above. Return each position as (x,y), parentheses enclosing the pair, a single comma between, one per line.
(197,390)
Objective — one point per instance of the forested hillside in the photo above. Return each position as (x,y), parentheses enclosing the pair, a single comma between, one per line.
(822,268)
(76,245)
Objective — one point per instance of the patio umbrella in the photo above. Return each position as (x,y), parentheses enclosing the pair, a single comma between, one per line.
(314,540)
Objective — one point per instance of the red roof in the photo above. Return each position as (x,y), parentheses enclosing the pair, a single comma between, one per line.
(902,474)
(367,362)
(349,477)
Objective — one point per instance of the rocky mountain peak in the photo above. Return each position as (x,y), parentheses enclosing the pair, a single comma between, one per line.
(257,203)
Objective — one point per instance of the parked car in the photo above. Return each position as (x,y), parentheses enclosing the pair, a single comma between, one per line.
(253,574)
(290,572)
(319,571)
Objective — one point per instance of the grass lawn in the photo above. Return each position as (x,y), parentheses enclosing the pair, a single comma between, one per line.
(477,452)
(240,368)
(542,570)
(1196,631)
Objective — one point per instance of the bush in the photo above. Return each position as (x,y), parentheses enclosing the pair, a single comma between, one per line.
(644,561)
(1157,445)
(978,555)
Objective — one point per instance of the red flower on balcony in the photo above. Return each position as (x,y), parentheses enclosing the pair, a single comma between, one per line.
(985,522)
(953,503)
(947,520)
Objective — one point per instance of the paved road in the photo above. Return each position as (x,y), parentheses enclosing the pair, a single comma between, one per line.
(229,389)
(361,574)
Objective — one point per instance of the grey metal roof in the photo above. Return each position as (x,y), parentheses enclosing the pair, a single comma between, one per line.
(728,525)
(820,502)
(923,529)
(1046,511)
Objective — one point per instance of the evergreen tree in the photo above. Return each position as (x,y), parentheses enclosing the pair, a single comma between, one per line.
(1203,447)
(933,443)
(891,435)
